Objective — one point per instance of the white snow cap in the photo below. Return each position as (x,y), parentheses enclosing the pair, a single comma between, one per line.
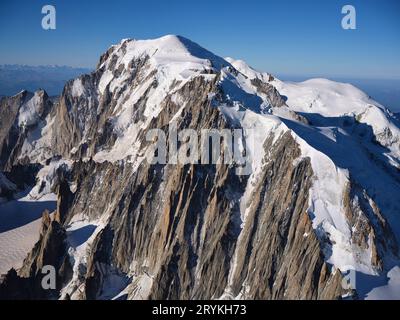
(170,50)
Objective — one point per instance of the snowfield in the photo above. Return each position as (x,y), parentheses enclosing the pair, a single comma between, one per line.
(348,137)
(339,151)
(20,222)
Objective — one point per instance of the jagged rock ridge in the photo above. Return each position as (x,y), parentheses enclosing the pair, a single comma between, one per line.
(124,228)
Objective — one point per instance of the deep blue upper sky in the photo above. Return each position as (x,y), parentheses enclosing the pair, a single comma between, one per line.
(283,37)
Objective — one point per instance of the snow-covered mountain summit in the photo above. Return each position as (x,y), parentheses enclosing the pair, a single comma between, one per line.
(320,199)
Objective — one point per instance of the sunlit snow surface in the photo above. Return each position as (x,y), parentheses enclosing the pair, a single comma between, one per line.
(337,139)
(388,291)
(20,222)
(20,219)
(339,149)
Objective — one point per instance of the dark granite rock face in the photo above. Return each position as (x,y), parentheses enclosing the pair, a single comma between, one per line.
(273,248)
(274,98)
(180,224)
(18,123)
(129,229)
(50,250)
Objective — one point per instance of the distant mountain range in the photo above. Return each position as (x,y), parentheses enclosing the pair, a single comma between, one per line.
(52,78)
(15,78)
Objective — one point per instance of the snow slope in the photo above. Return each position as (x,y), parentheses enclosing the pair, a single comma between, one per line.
(20,222)
(172,62)
(342,126)
(339,138)
(20,218)
(348,136)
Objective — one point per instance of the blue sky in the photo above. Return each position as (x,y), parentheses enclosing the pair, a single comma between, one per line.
(282,37)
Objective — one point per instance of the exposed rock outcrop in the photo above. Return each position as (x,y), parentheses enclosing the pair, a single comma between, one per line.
(126,228)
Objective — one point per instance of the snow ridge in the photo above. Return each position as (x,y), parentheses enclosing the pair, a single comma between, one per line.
(349,138)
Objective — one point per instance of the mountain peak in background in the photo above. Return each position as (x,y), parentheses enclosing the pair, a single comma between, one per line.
(52,78)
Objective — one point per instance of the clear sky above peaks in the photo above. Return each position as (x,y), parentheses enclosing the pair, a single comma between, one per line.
(281,37)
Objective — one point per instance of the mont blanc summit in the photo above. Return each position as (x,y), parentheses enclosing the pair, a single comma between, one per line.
(319,201)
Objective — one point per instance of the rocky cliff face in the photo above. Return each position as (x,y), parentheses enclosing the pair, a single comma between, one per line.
(125,228)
